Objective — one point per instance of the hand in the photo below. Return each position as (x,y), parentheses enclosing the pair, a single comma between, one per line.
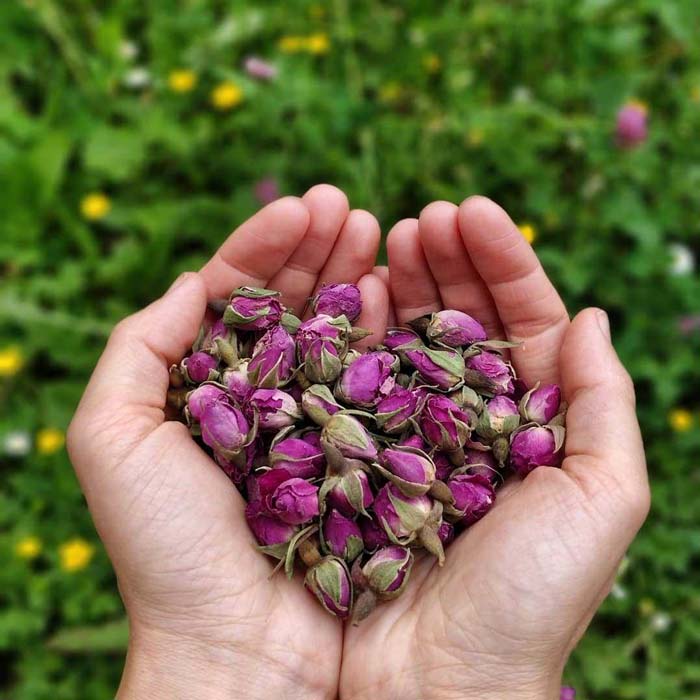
(519,587)
(206,620)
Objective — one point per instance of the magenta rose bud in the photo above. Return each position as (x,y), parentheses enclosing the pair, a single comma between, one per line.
(224,428)
(273,360)
(442,368)
(631,125)
(347,435)
(443,424)
(443,465)
(414,441)
(236,380)
(409,469)
(338,300)
(500,416)
(446,533)
(342,536)
(455,328)
(319,404)
(373,533)
(401,339)
(298,457)
(490,373)
(329,580)
(258,68)
(322,327)
(322,363)
(534,447)
(200,367)
(368,380)
(253,309)
(394,412)
(275,409)
(267,529)
(481,462)
(198,399)
(401,516)
(541,405)
(473,497)
(567,693)
(387,570)
(352,494)
(292,500)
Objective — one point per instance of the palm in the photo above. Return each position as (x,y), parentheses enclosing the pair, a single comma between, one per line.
(519,587)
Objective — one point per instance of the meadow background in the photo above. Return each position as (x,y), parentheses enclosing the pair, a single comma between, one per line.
(134,136)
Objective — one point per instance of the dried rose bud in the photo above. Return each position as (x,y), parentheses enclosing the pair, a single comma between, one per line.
(442,368)
(473,497)
(401,516)
(200,367)
(252,309)
(443,465)
(409,469)
(267,529)
(541,405)
(533,447)
(198,399)
(236,380)
(446,533)
(301,458)
(351,493)
(631,125)
(481,462)
(394,412)
(275,409)
(329,580)
(466,398)
(347,435)
(338,300)
(319,404)
(292,500)
(323,327)
(455,328)
(443,424)
(401,339)
(342,536)
(273,360)
(322,363)
(368,380)
(387,570)
(224,429)
(489,373)
(499,417)
(373,533)
(567,693)
(414,441)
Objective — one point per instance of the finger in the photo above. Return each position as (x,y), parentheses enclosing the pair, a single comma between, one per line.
(375,310)
(459,283)
(328,209)
(604,450)
(413,288)
(382,271)
(258,248)
(125,398)
(355,250)
(528,305)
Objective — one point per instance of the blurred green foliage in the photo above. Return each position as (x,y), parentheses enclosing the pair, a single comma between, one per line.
(413,101)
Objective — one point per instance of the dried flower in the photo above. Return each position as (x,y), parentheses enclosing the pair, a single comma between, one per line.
(443,424)
(387,571)
(540,405)
(224,428)
(200,367)
(395,411)
(302,458)
(275,408)
(454,329)
(268,530)
(252,309)
(272,363)
(329,580)
(347,435)
(442,368)
(409,469)
(368,380)
(338,300)
(533,447)
(473,497)
(489,373)
(342,536)
(351,493)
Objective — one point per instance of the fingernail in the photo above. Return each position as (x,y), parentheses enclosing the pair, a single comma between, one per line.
(178,282)
(603,323)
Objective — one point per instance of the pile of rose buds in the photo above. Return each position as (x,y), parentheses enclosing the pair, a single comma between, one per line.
(351,462)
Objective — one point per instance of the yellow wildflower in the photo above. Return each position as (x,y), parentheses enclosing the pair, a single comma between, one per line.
(292,44)
(318,44)
(28,547)
(49,441)
(529,232)
(182,80)
(432,63)
(11,361)
(95,206)
(75,554)
(226,95)
(680,419)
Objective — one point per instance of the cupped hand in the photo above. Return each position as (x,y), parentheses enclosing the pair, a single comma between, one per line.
(519,587)
(206,618)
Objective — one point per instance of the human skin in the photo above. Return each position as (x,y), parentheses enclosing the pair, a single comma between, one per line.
(518,588)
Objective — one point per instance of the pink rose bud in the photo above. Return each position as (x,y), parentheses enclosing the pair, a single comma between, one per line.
(500,416)
(298,457)
(631,125)
(473,497)
(267,529)
(319,404)
(198,399)
(200,367)
(347,435)
(442,368)
(224,429)
(253,309)
(329,580)
(275,409)
(541,405)
(236,380)
(238,468)
(395,411)
(466,398)
(534,447)
(400,515)
(273,360)
(342,536)
(266,190)
(567,693)
(368,380)
(415,441)
(373,533)
(446,533)
(352,494)
(322,363)
(481,462)
(387,570)
(323,327)
(409,469)
(292,500)
(443,424)
(443,465)
(338,300)
(257,68)
(489,373)
(454,329)
(401,339)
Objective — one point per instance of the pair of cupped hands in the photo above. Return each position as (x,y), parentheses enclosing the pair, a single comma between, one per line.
(518,589)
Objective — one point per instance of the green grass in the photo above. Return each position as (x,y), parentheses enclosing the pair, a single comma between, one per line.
(413,101)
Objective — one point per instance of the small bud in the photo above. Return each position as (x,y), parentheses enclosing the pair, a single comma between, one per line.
(350,493)
(299,457)
(473,497)
(409,469)
(338,300)
(275,408)
(541,404)
(267,529)
(443,424)
(236,379)
(454,329)
(330,582)
(252,309)
(373,533)
(346,434)
(342,537)
(198,399)
(442,368)
(200,367)
(489,373)
(414,441)
(394,412)
(387,570)
(481,462)
(273,359)
(446,533)
(535,446)
(322,364)
(368,380)
(292,500)
(401,339)
(499,417)
(401,516)
(318,404)
(443,465)
(466,398)
(323,327)
(224,428)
